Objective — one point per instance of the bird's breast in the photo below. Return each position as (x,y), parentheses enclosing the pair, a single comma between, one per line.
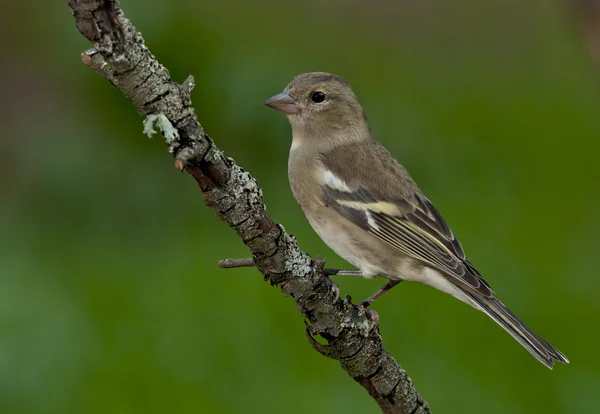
(303,173)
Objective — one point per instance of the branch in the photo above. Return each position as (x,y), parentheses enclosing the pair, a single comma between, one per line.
(352,336)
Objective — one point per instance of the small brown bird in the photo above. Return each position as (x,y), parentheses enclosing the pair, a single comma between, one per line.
(368,209)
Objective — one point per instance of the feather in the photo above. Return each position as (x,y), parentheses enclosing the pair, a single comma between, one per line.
(406,220)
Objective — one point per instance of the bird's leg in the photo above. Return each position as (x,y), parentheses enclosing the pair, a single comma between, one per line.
(320,263)
(369,301)
(341,272)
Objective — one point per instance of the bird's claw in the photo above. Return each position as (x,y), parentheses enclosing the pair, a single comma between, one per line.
(363,308)
(320,262)
(336,289)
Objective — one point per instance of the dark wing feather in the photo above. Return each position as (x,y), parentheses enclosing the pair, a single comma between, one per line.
(391,207)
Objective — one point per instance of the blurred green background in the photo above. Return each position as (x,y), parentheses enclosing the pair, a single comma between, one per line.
(110,296)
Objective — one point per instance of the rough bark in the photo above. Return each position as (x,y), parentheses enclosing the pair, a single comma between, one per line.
(352,336)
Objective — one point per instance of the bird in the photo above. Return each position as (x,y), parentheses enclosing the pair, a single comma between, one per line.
(366,207)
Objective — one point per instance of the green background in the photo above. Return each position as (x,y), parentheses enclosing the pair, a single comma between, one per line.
(110,296)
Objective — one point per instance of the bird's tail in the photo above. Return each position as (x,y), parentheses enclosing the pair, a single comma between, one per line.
(540,349)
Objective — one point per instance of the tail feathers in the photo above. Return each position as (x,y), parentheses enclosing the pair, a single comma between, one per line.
(540,349)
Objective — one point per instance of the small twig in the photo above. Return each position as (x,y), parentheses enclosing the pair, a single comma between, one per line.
(249,262)
(231,263)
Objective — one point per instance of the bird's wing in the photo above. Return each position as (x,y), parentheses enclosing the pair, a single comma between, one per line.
(380,197)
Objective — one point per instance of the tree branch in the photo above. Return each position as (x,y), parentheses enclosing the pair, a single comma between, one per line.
(352,336)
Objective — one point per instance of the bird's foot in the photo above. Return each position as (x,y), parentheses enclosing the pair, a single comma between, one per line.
(370,314)
(369,301)
(336,289)
(364,312)
(320,262)
(363,308)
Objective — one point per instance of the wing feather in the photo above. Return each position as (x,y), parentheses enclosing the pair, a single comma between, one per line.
(412,225)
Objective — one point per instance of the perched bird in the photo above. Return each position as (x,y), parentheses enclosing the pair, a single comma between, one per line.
(368,209)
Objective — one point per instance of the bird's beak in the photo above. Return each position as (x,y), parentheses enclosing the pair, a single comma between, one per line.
(283,103)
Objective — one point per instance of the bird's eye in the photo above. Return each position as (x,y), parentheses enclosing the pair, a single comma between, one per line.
(318,97)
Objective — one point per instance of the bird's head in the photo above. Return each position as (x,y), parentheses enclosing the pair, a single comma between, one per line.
(319,105)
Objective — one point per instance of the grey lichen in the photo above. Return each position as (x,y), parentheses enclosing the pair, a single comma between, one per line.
(164,125)
(244,183)
(213,155)
(297,262)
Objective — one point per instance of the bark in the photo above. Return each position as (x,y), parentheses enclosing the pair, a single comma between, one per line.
(352,336)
